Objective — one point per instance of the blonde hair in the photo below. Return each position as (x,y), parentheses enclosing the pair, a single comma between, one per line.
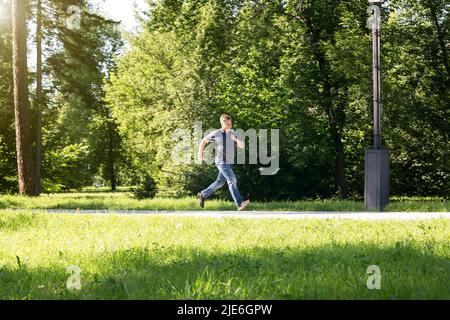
(224,117)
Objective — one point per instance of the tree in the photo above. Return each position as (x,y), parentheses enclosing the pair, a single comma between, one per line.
(8,160)
(77,65)
(20,74)
(39,95)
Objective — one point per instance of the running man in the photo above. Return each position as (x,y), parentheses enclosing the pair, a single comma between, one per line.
(223,139)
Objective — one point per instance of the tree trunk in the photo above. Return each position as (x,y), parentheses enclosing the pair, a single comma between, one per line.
(340,161)
(110,164)
(112,173)
(21,103)
(38,95)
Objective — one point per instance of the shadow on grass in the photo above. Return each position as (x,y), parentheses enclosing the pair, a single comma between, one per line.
(104,201)
(156,272)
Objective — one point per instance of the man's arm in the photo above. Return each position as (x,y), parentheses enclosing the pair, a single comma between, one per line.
(201,148)
(239,142)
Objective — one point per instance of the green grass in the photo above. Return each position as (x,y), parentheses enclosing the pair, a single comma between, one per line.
(125,201)
(157,257)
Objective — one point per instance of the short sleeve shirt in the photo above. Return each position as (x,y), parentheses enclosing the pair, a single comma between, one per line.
(225,148)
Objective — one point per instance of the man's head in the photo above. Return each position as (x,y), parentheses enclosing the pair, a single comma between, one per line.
(226,122)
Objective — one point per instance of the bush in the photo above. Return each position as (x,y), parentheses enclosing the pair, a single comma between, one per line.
(146,190)
(9,183)
(66,168)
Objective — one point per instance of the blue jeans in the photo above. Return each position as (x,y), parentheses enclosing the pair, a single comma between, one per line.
(226,175)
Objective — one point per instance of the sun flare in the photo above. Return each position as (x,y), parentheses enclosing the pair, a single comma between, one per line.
(3,10)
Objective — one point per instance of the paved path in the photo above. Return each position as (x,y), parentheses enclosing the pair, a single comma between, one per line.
(270,214)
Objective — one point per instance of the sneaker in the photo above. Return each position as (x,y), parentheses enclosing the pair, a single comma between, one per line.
(243,205)
(201,201)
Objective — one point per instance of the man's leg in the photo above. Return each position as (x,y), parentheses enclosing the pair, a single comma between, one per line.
(216,185)
(227,172)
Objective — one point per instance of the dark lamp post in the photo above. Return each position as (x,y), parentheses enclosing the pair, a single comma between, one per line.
(376,180)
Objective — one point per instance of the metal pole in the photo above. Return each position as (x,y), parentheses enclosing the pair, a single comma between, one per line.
(376,76)
(376,180)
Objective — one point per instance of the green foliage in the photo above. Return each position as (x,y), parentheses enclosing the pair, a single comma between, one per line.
(8,162)
(8,182)
(65,169)
(304,69)
(80,66)
(417,90)
(147,189)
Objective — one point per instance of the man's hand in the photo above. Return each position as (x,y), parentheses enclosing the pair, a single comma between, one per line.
(239,142)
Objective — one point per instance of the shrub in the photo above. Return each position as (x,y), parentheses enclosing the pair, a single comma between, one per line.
(146,190)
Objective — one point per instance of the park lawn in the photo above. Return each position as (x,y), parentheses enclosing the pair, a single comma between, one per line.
(125,201)
(157,257)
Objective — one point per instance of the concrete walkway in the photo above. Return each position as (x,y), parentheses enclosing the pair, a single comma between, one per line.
(268,214)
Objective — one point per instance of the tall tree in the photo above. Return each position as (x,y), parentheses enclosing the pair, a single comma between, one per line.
(21,103)
(433,7)
(38,162)
(8,161)
(77,62)
(321,29)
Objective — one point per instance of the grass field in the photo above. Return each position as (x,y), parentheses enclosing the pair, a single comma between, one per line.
(124,200)
(156,257)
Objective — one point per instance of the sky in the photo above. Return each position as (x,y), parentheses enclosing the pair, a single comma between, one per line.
(122,10)
(3,10)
